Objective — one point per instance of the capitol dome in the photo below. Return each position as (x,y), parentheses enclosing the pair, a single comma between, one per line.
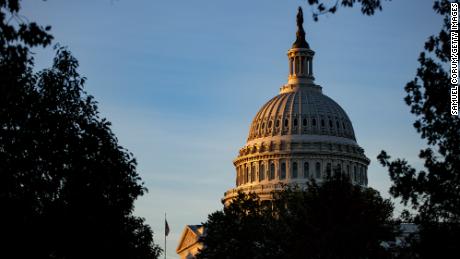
(299,135)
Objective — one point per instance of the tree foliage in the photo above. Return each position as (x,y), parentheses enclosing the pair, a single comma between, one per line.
(433,192)
(368,7)
(333,220)
(67,188)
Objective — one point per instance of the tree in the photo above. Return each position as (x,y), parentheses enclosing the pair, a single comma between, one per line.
(241,230)
(434,192)
(333,220)
(67,188)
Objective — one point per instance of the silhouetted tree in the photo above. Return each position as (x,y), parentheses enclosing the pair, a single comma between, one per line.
(433,192)
(332,220)
(67,189)
(368,7)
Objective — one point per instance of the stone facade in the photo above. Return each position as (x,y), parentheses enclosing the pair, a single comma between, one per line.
(189,244)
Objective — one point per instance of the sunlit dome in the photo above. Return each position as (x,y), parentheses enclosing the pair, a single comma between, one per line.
(302,111)
(299,135)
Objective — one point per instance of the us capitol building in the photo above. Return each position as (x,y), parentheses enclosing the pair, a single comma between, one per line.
(299,135)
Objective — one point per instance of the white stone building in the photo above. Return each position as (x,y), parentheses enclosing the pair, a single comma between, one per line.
(299,135)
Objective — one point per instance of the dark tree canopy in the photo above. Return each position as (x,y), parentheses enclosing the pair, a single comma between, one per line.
(333,220)
(67,188)
(433,192)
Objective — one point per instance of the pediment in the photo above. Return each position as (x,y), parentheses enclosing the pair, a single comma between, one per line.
(188,239)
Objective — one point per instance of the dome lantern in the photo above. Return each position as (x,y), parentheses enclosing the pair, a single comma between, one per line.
(300,57)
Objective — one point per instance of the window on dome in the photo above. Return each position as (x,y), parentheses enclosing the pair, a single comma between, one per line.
(306,170)
(295,122)
(253,173)
(294,170)
(283,171)
(302,65)
(330,124)
(272,171)
(286,123)
(337,124)
(355,174)
(261,172)
(304,122)
(313,122)
(348,171)
(277,123)
(328,170)
(322,123)
(297,65)
(263,125)
(269,124)
(343,125)
(246,174)
(361,175)
(318,170)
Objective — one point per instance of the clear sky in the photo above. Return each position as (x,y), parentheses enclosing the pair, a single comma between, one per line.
(182,80)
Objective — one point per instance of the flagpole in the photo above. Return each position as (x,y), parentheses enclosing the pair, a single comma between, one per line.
(165,235)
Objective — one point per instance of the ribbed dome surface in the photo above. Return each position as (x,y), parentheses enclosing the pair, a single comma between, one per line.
(303,111)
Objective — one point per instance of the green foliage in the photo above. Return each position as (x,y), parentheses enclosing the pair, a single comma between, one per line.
(368,7)
(333,220)
(434,192)
(67,189)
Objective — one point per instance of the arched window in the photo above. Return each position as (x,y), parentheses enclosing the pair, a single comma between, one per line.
(339,169)
(361,175)
(277,124)
(306,170)
(283,171)
(291,65)
(302,66)
(253,173)
(304,122)
(272,171)
(269,124)
(297,70)
(328,170)
(330,124)
(355,174)
(322,123)
(348,171)
(295,122)
(246,174)
(337,124)
(318,170)
(261,172)
(313,122)
(286,123)
(294,170)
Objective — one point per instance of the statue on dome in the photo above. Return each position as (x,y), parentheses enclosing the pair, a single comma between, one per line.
(300,39)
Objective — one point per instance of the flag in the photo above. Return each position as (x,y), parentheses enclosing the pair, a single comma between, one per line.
(166,228)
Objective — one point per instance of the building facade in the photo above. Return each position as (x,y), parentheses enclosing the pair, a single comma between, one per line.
(299,135)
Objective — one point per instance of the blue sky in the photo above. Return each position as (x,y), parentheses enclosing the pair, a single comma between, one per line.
(181,81)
